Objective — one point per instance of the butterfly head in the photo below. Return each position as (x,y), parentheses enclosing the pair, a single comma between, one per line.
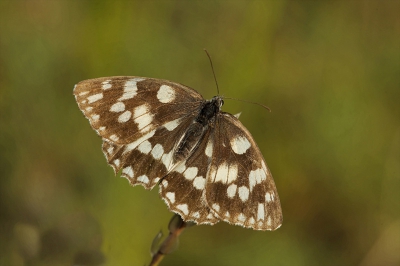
(217,101)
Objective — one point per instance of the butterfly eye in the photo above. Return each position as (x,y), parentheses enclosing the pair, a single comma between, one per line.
(221,103)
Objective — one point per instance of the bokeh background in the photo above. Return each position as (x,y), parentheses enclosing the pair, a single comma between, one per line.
(329,71)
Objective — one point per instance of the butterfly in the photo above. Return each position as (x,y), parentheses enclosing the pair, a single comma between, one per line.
(206,163)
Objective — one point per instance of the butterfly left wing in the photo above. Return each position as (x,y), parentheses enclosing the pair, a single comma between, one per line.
(240,189)
(126,108)
(140,120)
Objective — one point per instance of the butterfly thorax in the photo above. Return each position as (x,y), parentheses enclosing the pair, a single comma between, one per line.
(192,137)
(209,110)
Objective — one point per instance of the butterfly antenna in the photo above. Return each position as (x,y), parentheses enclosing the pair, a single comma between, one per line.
(259,104)
(212,67)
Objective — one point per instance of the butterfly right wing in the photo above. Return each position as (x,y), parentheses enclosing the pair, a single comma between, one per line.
(240,189)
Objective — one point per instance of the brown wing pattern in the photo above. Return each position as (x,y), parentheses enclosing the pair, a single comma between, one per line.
(146,160)
(240,189)
(124,109)
(183,189)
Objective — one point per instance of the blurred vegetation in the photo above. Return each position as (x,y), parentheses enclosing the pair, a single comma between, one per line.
(329,70)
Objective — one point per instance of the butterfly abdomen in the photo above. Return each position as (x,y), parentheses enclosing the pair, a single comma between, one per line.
(189,141)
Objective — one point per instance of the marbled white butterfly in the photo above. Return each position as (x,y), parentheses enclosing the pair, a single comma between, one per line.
(160,132)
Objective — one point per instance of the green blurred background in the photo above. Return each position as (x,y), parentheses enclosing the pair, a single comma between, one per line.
(329,70)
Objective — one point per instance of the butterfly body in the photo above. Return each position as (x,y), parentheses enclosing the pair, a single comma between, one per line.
(159,132)
(206,117)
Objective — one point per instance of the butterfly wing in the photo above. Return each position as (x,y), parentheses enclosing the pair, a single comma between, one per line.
(240,189)
(124,109)
(140,121)
(183,189)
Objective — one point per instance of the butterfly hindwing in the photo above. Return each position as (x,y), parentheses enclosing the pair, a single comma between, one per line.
(240,189)
(184,188)
(148,159)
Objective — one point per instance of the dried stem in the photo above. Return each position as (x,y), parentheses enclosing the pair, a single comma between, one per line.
(176,227)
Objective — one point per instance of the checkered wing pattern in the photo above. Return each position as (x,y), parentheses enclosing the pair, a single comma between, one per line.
(140,121)
(240,189)
(124,109)
(184,189)
(159,132)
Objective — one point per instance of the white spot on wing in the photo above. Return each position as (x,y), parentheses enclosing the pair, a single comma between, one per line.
(157,151)
(199,182)
(171,196)
(130,89)
(128,171)
(83,93)
(145,147)
(251,221)
(117,107)
(142,116)
(209,148)
(190,173)
(143,179)
(222,173)
(164,183)
(172,124)
(243,193)
(240,144)
(141,110)
(216,207)
(196,215)
(124,117)
(95,97)
(167,159)
(233,173)
(183,208)
(260,212)
(95,117)
(114,137)
(231,191)
(166,94)
(226,174)
(268,197)
(241,217)
(133,145)
(256,177)
(105,85)
(117,162)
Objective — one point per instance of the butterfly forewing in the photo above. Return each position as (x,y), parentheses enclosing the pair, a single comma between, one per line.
(123,109)
(240,189)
